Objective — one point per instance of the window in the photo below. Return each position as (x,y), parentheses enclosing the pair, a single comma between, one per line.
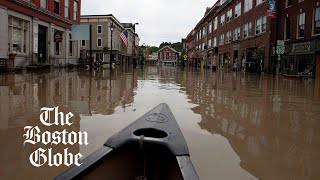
(236,34)
(57,48)
(75,10)
(215,24)
(18,35)
(99,42)
(210,27)
(222,39)
(261,25)
(214,44)
(43,4)
(247,5)
(259,2)
(70,47)
(229,15)
(83,43)
(209,43)
(202,46)
(66,9)
(228,37)
(222,19)
(237,10)
(288,3)
(287,27)
(197,36)
(204,30)
(99,29)
(301,25)
(316,29)
(57,7)
(99,57)
(247,29)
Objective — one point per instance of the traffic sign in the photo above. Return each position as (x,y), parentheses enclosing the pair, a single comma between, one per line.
(280,42)
(280,49)
(185,57)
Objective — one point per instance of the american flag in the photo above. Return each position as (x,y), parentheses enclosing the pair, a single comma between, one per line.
(124,37)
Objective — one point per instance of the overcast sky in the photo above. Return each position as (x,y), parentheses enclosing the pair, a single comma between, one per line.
(159,20)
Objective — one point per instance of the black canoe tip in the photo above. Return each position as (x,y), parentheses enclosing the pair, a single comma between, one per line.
(158,125)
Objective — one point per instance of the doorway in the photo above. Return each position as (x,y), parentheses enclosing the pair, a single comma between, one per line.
(42,44)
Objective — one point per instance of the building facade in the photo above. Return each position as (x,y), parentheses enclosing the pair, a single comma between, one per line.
(168,55)
(233,34)
(39,31)
(101,39)
(299,28)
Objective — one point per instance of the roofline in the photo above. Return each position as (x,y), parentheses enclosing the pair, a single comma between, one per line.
(102,16)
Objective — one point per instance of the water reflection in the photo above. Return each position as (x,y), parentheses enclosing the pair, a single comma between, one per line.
(270,124)
(83,93)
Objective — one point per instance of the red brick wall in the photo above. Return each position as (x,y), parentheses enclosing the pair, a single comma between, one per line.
(165,51)
(34,13)
(307,6)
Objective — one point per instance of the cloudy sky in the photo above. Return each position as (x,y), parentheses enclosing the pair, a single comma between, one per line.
(159,20)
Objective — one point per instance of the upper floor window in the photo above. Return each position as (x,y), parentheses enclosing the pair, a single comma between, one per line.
(204,30)
(99,42)
(247,5)
(99,29)
(259,2)
(215,24)
(237,10)
(236,34)
(301,24)
(229,15)
(316,29)
(228,37)
(222,39)
(288,3)
(247,29)
(57,7)
(75,10)
(287,28)
(210,27)
(222,19)
(66,9)
(261,25)
(43,4)
(214,43)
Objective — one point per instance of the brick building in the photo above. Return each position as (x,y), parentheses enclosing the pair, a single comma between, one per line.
(299,27)
(233,33)
(168,55)
(39,31)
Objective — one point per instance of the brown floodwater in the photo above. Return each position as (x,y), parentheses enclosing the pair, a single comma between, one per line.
(237,126)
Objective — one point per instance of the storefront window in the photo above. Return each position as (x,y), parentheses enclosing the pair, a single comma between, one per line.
(18,35)
(305,65)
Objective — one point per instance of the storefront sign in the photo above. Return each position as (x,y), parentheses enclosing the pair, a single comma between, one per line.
(236,47)
(35,38)
(57,36)
(301,47)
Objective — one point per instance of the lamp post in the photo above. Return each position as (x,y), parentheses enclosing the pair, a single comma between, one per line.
(134,44)
(111,30)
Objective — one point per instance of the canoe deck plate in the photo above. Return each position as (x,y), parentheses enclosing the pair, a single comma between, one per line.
(157,117)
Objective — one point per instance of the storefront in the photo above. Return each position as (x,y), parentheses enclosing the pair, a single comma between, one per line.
(300,59)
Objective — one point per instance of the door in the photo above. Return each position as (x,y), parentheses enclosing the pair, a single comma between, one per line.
(42,44)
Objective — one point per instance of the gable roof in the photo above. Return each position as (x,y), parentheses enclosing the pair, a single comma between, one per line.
(168,48)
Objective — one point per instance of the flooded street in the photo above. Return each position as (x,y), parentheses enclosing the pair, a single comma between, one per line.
(237,126)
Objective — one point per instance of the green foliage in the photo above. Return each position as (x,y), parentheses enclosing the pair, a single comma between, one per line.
(177,45)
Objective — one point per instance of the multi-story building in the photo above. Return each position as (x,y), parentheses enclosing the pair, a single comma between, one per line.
(168,55)
(233,33)
(101,38)
(299,27)
(39,31)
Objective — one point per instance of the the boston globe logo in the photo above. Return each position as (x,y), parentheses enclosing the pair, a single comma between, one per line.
(33,135)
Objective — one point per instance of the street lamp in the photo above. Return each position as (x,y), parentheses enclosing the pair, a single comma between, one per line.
(111,30)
